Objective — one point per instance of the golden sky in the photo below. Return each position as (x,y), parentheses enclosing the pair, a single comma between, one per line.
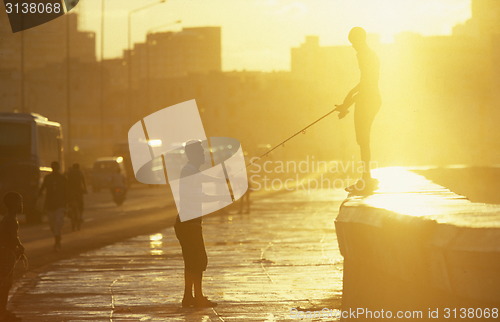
(258,34)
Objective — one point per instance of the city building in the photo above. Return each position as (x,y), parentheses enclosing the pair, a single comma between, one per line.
(45,44)
(175,54)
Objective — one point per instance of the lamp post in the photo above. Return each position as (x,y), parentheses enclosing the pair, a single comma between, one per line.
(68,88)
(148,56)
(22,67)
(101,80)
(129,55)
(23,108)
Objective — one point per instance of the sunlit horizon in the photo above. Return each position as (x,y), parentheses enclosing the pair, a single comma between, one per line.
(258,35)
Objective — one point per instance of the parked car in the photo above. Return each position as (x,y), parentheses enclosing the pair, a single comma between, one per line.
(103,170)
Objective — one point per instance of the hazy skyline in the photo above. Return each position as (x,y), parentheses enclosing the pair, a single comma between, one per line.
(258,34)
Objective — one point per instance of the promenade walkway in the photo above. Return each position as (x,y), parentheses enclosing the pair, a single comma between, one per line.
(282,256)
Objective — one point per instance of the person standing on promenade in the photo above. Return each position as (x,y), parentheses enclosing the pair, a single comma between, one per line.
(189,232)
(245,201)
(77,188)
(366,96)
(56,200)
(11,250)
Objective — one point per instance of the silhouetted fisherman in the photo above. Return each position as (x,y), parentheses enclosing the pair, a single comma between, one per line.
(77,188)
(11,250)
(56,201)
(189,233)
(366,95)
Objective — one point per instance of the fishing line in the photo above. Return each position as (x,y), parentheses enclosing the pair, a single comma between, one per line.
(303,131)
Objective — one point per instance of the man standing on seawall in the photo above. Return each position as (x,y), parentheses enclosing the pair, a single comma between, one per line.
(366,95)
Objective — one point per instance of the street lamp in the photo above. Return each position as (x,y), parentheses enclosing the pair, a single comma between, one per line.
(129,56)
(22,67)
(68,88)
(148,56)
(101,79)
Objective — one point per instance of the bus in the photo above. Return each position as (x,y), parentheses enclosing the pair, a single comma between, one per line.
(29,143)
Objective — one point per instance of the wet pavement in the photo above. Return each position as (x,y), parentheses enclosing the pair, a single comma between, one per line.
(99,206)
(146,210)
(283,255)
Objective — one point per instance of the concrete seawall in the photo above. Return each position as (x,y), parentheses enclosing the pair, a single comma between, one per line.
(415,245)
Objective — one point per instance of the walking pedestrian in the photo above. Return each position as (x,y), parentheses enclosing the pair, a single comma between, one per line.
(245,201)
(118,187)
(77,188)
(56,200)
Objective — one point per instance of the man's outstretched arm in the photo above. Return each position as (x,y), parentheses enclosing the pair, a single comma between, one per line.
(343,108)
(350,97)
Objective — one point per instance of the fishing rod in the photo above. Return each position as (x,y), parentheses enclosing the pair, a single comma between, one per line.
(339,108)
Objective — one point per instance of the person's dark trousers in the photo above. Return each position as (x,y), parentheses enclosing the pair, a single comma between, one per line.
(190,236)
(7,263)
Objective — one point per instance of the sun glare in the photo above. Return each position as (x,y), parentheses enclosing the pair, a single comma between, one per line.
(404,192)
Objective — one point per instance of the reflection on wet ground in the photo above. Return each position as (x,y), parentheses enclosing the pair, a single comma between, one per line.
(283,255)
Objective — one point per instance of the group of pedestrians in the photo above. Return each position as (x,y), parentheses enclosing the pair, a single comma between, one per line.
(62,192)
